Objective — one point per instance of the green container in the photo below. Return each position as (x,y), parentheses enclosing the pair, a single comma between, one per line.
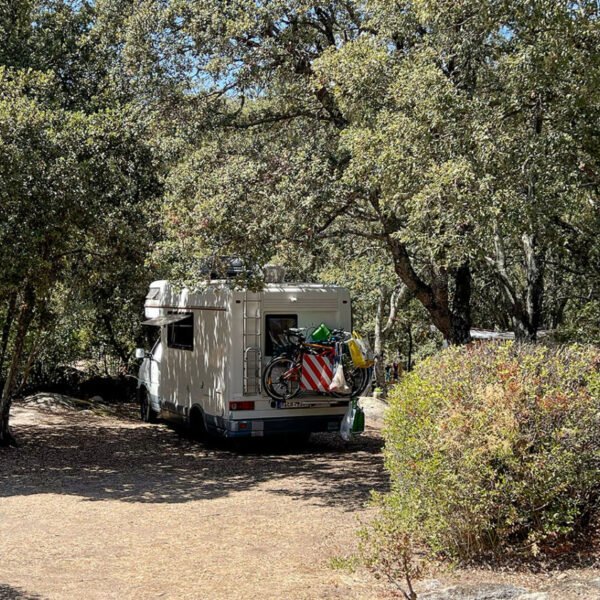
(358,424)
(321,333)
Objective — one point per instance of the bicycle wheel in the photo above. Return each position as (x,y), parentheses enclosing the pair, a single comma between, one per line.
(281,379)
(361,381)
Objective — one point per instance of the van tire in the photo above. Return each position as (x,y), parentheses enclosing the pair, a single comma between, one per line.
(147,413)
(197,424)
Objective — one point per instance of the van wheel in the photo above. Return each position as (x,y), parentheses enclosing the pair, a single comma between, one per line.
(147,414)
(197,425)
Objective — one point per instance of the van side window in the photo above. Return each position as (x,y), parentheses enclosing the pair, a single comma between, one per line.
(181,334)
(275,326)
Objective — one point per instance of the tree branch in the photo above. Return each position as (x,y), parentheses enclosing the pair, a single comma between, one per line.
(273,119)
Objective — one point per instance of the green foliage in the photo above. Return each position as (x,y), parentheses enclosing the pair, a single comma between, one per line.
(345,563)
(446,136)
(255,196)
(78,175)
(581,323)
(371,144)
(75,190)
(490,448)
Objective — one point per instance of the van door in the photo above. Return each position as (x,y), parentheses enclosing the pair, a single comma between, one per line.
(154,368)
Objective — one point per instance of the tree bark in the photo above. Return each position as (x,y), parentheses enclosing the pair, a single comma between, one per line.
(6,329)
(382,331)
(378,343)
(461,306)
(454,322)
(528,312)
(525,305)
(534,290)
(410,349)
(121,353)
(23,321)
(31,358)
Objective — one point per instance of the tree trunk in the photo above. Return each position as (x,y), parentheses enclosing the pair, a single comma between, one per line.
(410,350)
(461,306)
(24,320)
(378,343)
(31,358)
(557,316)
(525,305)
(382,331)
(454,322)
(531,306)
(8,321)
(120,351)
(534,290)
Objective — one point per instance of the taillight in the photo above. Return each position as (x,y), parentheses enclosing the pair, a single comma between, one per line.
(242,405)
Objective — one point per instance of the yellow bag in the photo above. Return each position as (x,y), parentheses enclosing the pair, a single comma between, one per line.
(360,352)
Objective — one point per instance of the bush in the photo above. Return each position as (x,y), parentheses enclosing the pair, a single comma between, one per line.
(493,447)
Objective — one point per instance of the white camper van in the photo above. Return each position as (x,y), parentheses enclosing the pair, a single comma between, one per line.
(205,367)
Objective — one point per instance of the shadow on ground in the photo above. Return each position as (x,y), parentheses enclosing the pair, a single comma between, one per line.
(134,463)
(10,593)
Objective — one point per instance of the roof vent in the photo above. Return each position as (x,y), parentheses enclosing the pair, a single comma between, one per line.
(274,273)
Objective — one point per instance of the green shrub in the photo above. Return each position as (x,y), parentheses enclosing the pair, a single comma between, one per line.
(493,447)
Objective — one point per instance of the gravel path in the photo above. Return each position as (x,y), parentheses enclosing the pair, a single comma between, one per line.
(103,506)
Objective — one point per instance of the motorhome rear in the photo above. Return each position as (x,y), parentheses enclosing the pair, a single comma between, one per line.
(205,367)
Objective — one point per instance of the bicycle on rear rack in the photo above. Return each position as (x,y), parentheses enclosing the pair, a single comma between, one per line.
(283,376)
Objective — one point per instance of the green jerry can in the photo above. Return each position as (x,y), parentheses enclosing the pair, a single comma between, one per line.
(321,333)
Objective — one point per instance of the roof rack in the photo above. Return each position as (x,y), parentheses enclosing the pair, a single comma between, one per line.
(224,267)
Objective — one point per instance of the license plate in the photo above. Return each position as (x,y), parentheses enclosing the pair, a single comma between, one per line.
(298,404)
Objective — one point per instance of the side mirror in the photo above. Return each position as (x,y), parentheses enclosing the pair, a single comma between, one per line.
(140,353)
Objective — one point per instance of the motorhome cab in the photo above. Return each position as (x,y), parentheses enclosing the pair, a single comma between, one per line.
(205,367)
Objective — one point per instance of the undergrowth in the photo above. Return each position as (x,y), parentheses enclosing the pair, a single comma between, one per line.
(492,449)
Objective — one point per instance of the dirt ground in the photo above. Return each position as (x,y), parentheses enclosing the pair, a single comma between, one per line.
(97,505)
(103,506)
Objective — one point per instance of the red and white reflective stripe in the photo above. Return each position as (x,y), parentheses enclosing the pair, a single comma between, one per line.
(317,373)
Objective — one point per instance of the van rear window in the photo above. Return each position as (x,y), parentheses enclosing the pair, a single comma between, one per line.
(276,326)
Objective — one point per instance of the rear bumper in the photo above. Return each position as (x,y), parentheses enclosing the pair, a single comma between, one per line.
(274,426)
